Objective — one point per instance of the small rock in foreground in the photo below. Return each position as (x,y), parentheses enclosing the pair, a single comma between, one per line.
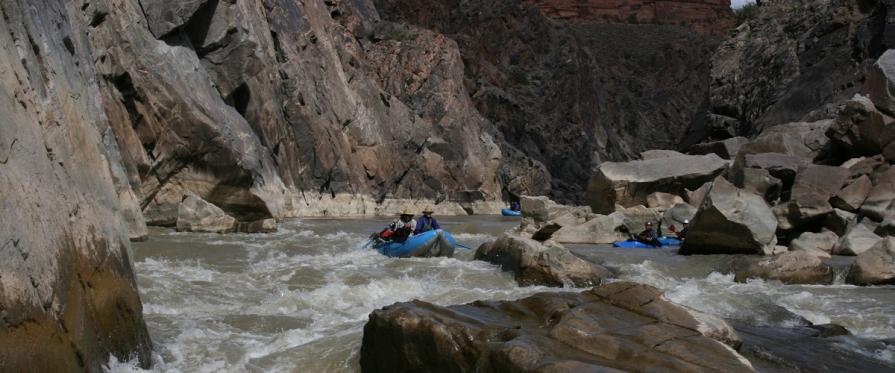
(534,263)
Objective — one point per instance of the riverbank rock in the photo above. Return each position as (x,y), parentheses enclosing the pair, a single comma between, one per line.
(760,182)
(659,153)
(853,195)
(856,240)
(880,203)
(677,215)
(726,149)
(620,326)
(819,244)
(875,266)
(197,215)
(794,267)
(534,263)
(731,221)
(663,201)
(629,183)
(839,221)
(257,226)
(861,128)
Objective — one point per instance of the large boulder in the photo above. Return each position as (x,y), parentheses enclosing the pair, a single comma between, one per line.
(197,215)
(727,149)
(839,221)
(629,183)
(620,326)
(794,267)
(853,195)
(784,167)
(534,263)
(760,182)
(676,215)
(659,153)
(731,221)
(880,202)
(636,217)
(806,140)
(659,200)
(602,229)
(880,84)
(875,266)
(819,244)
(856,240)
(697,196)
(811,192)
(863,130)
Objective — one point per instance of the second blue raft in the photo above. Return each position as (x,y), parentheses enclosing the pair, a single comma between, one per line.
(666,241)
(509,212)
(425,245)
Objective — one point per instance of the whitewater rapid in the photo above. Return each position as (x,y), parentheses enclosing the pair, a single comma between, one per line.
(297,300)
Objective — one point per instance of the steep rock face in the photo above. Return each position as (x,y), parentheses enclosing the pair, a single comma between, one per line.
(294,108)
(68,294)
(571,95)
(705,16)
(794,60)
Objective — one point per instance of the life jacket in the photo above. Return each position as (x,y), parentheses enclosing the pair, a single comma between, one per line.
(427,224)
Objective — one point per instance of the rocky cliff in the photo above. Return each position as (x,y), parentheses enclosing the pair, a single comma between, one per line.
(68,297)
(571,95)
(712,17)
(796,60)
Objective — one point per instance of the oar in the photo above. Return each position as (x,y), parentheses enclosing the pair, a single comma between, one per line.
(465,247)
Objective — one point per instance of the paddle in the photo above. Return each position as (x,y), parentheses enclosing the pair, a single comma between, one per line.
(464,247)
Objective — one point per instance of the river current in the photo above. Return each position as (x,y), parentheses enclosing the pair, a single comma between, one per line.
(297,300)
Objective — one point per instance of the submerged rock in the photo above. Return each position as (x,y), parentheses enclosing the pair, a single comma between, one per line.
(875,266)
(794,267)
(534,263)
(629,183)
(621,326)
(731,221)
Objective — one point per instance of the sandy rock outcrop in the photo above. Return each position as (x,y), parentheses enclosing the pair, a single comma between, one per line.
(819,244)
(630,183)
(731,221)
(875,266)
(557,332)
(68,293)
(534,263)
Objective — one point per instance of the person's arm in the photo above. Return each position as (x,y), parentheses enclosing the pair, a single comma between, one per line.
(435,224)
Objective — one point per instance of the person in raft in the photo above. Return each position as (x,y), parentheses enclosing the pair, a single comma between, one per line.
(401,229)
(426,222)
(649,235)
(515,206)
(682,235)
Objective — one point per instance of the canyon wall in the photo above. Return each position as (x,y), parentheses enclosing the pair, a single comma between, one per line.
(68,296)
(795,61)
(711,17)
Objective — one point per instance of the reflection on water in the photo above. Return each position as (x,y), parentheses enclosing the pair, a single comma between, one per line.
(297,300)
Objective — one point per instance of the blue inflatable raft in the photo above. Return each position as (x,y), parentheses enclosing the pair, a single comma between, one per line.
(666,241)
(424,245)
(508,212)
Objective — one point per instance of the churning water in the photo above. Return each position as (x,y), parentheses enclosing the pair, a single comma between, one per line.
(297,300)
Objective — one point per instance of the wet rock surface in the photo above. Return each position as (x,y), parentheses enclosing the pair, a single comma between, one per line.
(621,326)
(875,266)
(535,263)
(794,267)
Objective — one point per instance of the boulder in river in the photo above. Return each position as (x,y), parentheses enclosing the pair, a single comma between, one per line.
(731,221)
(197,215)
(629,183)
(793,267)
(875,266)
(534,263)
(602,229)
(819,244)
(616,327)
(856,240)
